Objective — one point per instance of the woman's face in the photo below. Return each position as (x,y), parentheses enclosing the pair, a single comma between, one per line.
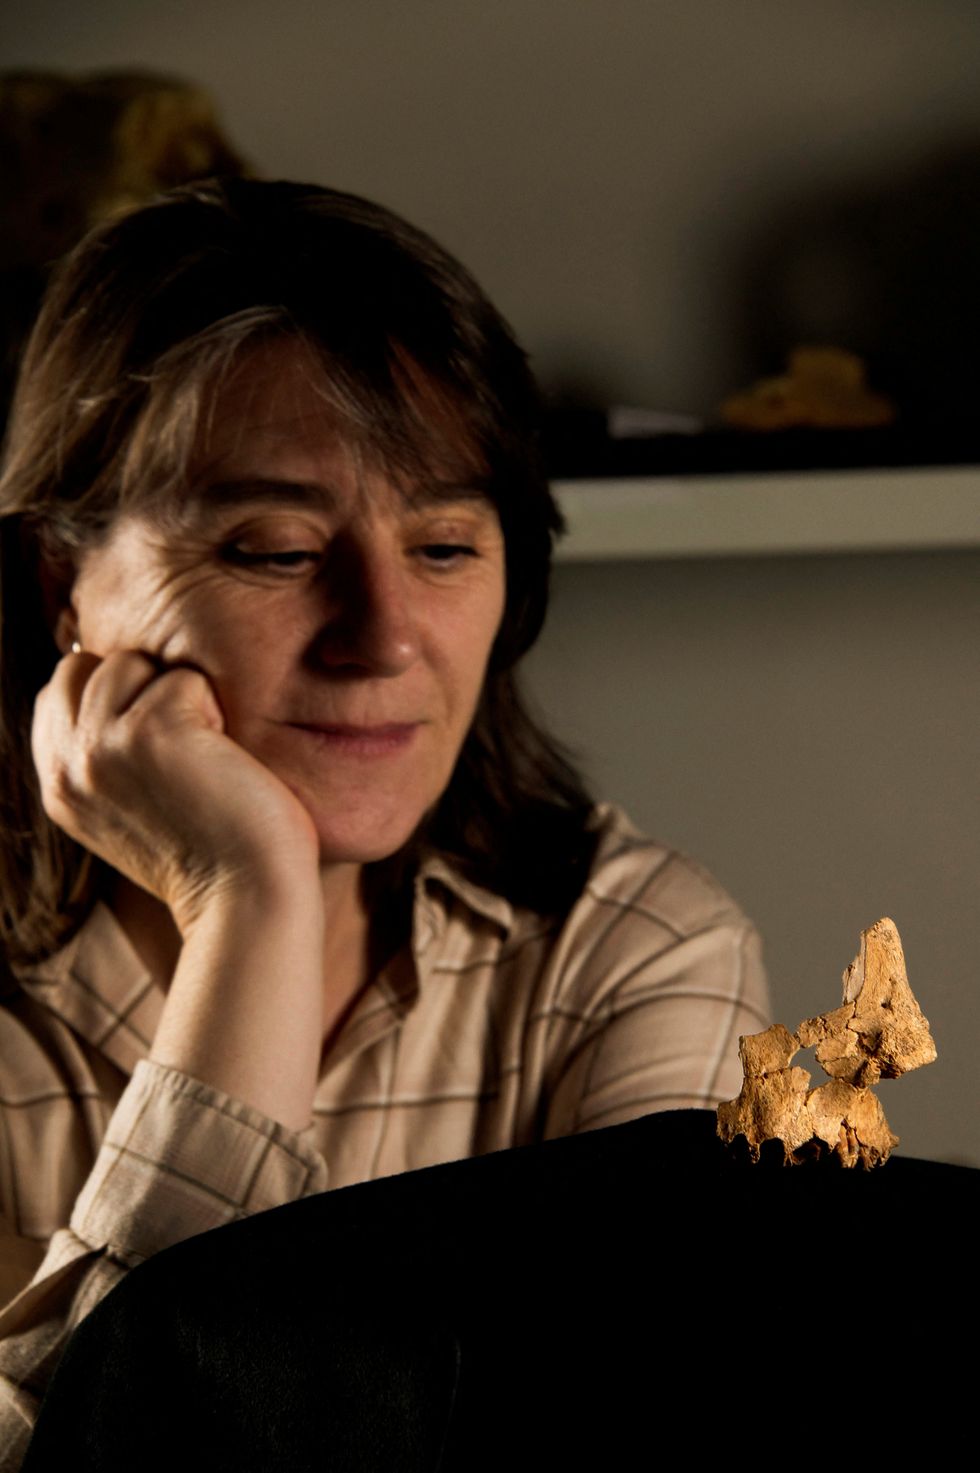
(344,621)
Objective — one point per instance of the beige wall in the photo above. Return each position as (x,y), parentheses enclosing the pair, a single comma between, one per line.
(806,726)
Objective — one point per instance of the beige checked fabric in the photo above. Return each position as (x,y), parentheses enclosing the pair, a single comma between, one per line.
(501,1029)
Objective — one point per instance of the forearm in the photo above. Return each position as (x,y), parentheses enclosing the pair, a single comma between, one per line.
(244,1011)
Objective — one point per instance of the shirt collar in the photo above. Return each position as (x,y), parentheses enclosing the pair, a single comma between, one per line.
(436,871)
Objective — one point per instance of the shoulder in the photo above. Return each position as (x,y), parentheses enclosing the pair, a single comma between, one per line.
(650,920)
(651,880)
(644,988)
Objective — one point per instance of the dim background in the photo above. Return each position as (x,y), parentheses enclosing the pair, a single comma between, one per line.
(663,198)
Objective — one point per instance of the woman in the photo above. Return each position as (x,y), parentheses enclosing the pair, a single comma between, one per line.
(295,892)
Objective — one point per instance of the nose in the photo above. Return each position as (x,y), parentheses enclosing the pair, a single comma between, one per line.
(371,625)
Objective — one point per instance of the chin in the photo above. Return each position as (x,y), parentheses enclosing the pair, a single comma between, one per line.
(364,844)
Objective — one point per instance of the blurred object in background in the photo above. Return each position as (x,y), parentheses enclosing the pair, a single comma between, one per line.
(74,150)
(823,388)
(884,264)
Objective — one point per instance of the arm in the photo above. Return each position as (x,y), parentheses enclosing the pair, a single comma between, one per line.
(136,766)
(178,1158)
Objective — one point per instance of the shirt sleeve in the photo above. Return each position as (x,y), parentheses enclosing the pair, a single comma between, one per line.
(178,1158)
(659,977)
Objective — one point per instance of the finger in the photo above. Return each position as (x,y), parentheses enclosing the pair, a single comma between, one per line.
(97,688)
(81,699)
(109,690)
(57,705)
(68,681)
(180,695)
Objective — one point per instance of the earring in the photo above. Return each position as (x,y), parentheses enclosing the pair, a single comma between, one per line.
(76,648)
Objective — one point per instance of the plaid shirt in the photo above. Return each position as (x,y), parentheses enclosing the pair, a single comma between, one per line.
(503,1028)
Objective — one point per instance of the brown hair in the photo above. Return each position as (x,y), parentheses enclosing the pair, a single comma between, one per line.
(139,326)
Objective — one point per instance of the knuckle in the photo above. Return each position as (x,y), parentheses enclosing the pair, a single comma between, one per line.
(61,789)
(126,660)
(184,681)
(93,764)
(136,741)
(61,796)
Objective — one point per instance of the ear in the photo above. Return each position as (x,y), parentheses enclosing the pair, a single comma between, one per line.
(56,576)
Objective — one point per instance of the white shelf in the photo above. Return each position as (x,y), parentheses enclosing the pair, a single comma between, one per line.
(769,514)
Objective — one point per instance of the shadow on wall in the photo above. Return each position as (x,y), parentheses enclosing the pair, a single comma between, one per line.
(888,269)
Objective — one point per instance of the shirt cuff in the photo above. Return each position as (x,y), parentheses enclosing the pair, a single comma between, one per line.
(180,1158)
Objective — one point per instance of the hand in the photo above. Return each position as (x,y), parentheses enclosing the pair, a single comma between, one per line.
(134,763)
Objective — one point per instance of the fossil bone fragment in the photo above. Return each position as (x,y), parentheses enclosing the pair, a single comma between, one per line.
(878,1033)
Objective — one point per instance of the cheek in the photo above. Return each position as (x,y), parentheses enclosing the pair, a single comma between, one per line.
(204,618)
(124,599)
(251,649)
(117,614)
(475,642)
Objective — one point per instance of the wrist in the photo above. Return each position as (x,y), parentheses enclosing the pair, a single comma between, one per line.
(249,897)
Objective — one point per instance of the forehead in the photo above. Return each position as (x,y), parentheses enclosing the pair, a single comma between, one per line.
(274,415)
(269,391)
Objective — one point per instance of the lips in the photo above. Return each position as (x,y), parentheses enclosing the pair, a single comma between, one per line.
(369,741)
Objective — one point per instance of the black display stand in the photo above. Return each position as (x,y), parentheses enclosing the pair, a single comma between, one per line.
(611,1300)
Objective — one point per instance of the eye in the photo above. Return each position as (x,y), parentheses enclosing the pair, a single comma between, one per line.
(280,560)
(445,555)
